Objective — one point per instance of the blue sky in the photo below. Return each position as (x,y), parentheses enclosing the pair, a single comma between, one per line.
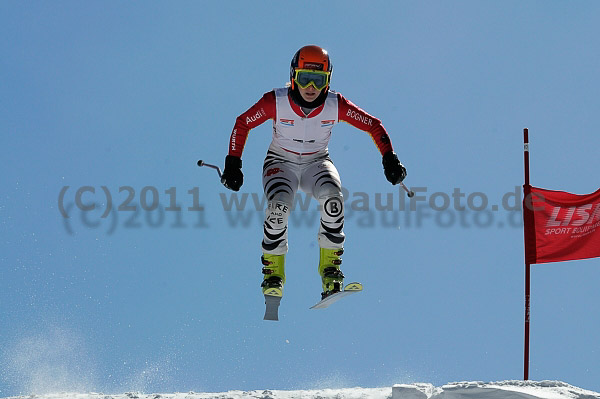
(133,94)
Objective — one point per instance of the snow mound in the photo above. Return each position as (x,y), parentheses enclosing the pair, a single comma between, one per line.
(459,390)
(494,390)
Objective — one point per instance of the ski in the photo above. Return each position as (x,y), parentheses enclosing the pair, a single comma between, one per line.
(272,301)
(351,288)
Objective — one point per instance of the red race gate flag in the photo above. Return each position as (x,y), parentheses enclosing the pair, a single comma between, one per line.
(560,226)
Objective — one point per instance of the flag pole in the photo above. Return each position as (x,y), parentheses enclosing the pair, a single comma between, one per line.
(527,198)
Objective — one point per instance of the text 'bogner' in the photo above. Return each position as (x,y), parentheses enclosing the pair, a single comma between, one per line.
(361,118)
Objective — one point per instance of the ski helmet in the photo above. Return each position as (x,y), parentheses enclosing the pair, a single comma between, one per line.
(310,57)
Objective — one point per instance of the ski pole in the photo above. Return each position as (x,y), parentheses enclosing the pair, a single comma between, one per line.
(410,193)
(215,167)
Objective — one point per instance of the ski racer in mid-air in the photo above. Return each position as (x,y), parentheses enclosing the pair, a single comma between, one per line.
(303,114)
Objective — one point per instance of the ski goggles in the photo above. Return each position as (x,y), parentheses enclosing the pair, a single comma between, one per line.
(307,77)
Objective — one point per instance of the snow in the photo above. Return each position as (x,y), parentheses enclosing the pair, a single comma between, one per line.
(459,390)
(494,390)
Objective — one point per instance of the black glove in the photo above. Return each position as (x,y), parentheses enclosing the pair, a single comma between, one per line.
(232,176)
(394,171)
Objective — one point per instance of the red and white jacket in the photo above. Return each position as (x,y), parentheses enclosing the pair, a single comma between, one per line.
(301,134)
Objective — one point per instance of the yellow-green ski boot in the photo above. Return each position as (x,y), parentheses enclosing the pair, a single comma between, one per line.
(274,271)
(272,285)
(332,277)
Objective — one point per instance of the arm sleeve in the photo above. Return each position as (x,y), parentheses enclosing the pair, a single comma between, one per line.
(255,116)
(350,113)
